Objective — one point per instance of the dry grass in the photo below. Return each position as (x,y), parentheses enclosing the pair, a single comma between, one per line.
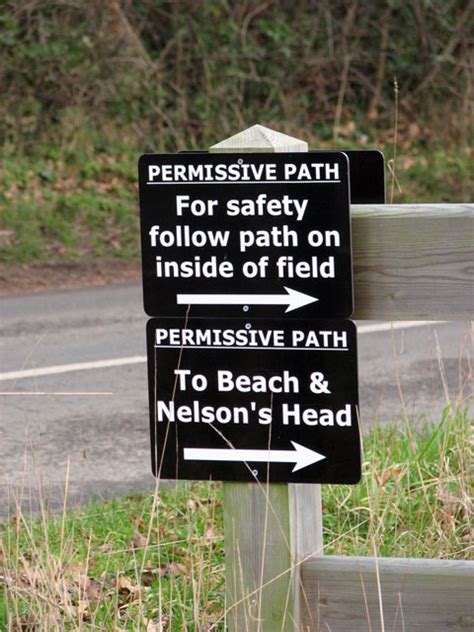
(155,562)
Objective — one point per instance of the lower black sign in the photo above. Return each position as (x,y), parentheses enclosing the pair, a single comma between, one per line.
(243,400)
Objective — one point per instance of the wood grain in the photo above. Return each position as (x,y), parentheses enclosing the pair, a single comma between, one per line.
(258,561)
(306,531)
(257,139)
(413,262)
(424,595)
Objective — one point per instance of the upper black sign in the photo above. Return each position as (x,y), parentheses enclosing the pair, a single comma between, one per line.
(246,234)
(244,400)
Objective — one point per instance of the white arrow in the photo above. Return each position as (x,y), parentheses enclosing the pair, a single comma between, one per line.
(292,298)
(300,456)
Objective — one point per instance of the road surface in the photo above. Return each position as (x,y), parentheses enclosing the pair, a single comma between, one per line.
(73,386)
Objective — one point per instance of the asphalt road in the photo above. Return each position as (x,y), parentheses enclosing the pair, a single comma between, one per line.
(73,386)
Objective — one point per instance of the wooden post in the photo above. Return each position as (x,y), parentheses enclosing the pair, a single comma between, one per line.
(269,529)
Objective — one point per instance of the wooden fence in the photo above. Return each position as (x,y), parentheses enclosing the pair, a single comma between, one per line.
(410,262)
(392,594)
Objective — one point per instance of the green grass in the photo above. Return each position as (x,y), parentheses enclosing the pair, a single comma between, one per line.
(112,564)
(78,203)
(78,200)
(414,498)
(157,559)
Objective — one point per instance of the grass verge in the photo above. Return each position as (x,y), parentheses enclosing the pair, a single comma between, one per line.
(155,561)
(78,201)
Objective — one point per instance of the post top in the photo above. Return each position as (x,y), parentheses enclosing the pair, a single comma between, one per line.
(260,139)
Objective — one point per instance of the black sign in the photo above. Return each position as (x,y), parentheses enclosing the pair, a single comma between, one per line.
(367,175)
(243,400)
(253,235)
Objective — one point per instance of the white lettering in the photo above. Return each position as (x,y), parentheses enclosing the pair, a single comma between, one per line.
(285,383)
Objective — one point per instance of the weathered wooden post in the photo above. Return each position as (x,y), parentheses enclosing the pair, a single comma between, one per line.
(265,534)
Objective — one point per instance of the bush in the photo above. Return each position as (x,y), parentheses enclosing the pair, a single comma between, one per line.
(175,71)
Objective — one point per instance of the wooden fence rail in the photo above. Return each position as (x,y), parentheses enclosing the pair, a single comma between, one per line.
(413,261)
(357,594)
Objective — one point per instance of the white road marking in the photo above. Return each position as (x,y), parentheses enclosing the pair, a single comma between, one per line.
(35,393)
(399,324)
(68,368)
(112,362)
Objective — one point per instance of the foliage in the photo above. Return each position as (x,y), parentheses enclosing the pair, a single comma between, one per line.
(177,71)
